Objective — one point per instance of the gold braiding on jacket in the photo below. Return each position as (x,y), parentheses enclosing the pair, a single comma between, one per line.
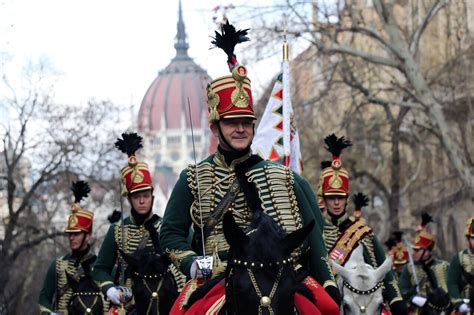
(63,291)
(368,242)
(275,189)
(133,235)
(466,260)
(441,274)
(330,234)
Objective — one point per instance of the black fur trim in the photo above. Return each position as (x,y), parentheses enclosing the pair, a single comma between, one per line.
(248,189)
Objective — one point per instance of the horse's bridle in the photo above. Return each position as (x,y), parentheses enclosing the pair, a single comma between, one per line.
(362,308)
(265,300)
(155,293)
(87,309)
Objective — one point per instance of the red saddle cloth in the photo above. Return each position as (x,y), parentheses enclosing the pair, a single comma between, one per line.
(214,300)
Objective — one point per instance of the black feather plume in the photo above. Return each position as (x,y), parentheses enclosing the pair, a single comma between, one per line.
(390,243)
(325,164)
(129,143)
(335,145)
(360,200)
(114,216)
(229,38)
(80,189)
(397,235)
(426,218)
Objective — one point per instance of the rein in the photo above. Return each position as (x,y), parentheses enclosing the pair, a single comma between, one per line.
(88,310)
(154,294)
(260,265)
(265,301)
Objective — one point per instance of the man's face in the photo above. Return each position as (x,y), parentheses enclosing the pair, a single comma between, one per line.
(78,241)
(141,201)
(420,254)
(335,205)
(238,132)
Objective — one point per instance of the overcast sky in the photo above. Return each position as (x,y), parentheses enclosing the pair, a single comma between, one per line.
(108,49)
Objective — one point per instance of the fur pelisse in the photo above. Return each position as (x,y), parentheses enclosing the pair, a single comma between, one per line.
(229,39)
(129,143)
(80,189)
(425,219)
(335,145)
(115,216)
(360,200)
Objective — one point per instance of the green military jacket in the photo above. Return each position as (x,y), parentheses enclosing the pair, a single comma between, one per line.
(374,254)
(55,293)
(284,196)
(458,288)
(407,280)
(106,268)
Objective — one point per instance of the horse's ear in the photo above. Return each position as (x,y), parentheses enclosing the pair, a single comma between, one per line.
(72,282)
(296,238)
(129,259)
(340,270)
(384,268)
(233,233)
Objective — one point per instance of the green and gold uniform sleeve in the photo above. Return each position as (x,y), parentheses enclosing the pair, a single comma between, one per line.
(106,259)
(455,281)
(176,225)
(318,257)
(407,288)
(391,291)
(47,292)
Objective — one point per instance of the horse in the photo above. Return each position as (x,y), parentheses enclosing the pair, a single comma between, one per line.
(260,273)
(86,296)
(154,287)
(360,284)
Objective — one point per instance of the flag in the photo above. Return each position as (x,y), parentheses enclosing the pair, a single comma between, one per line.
(276,138)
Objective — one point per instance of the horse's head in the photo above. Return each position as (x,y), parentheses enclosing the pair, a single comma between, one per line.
(360,284)
(154,287)
(86,298)
(260,267)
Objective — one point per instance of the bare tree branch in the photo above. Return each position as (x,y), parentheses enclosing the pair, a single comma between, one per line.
(433,10)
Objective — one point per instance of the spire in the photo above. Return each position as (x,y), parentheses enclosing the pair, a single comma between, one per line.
(181,45)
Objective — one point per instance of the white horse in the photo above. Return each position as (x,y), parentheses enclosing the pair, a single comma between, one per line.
(360,284)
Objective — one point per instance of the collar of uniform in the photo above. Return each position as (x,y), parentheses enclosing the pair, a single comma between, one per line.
(150,214)
(219,159)
(337,221)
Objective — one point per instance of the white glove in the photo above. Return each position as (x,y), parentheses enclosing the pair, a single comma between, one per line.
(201,267)
(464,308)
(114,295)
(418,300)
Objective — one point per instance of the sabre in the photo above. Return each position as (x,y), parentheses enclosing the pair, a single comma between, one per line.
(121,261)
(197,179)
(412,265)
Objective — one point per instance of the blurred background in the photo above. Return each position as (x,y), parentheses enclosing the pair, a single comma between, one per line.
(395,77)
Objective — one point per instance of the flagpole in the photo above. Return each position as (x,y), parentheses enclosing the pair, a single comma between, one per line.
(286,104)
